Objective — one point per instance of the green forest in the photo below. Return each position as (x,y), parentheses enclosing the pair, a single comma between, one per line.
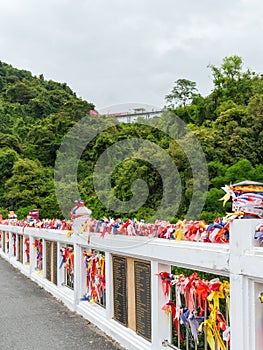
(36,114)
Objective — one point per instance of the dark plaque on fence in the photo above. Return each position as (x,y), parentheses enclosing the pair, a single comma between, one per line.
(142,278)
(48,260)
(54,263)
(120,289)
(51,261)
(20,248)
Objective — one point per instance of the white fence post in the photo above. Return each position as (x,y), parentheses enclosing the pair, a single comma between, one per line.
(60,271)
(83,274)
(44,270)
(161,329)
(17,247)
(31,254)
(241,291)
(109,285)
(77,274)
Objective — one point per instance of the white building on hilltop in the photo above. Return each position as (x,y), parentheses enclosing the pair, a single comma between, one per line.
(130,112)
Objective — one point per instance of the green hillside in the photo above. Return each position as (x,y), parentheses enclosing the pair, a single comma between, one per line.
(36,114)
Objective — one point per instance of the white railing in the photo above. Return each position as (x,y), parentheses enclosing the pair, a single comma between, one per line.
(241,260)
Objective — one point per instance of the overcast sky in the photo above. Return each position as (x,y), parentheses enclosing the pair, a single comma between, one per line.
(119,51)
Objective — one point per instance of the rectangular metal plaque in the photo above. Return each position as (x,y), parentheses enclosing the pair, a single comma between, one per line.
(20,248)
(142,279)
(120,299)
(54,262)
(48,260)
(51,261)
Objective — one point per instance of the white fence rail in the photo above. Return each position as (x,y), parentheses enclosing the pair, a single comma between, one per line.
(241,260)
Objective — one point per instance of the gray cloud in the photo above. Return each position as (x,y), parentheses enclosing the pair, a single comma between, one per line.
(115,51)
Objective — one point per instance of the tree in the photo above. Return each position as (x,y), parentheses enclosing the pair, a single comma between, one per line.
(182,93)
(213,203)
(20,92)
(240,171)
(231,82)
(42,145)
(29,184)
(225,76)
(7,159)
(9,140)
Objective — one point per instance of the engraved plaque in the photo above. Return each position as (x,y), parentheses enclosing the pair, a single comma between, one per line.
(54,262)
(51,261)
(120,289)
(142,279)
(48,260)
(20,248)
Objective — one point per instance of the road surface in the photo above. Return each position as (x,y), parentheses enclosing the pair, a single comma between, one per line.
(32,319)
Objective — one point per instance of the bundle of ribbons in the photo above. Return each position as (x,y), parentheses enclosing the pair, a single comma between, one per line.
(14,243)
(247,198)
(197,307)
(259,233)
(39,253)
(182,230)
(247,202)
(197,231)
(95,277)
(55,224)
(67,261)
(27,249)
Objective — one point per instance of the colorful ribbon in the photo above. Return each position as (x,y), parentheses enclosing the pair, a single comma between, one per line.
(201,297)
(95,277)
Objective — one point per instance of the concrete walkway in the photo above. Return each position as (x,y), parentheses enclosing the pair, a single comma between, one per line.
(30,318)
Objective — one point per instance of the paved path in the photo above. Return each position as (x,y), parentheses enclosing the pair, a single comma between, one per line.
(31,319)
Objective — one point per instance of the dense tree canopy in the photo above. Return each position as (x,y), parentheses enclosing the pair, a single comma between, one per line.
(36,114)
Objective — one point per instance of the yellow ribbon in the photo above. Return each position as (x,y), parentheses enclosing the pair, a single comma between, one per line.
(210,324)
(214,297)
(102,264)
(219,339)
(83,228)
(212,333)
(69,233)
(226,288)
(207,325)
(178,233)
(249,188)
(225,198)
(233,215)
